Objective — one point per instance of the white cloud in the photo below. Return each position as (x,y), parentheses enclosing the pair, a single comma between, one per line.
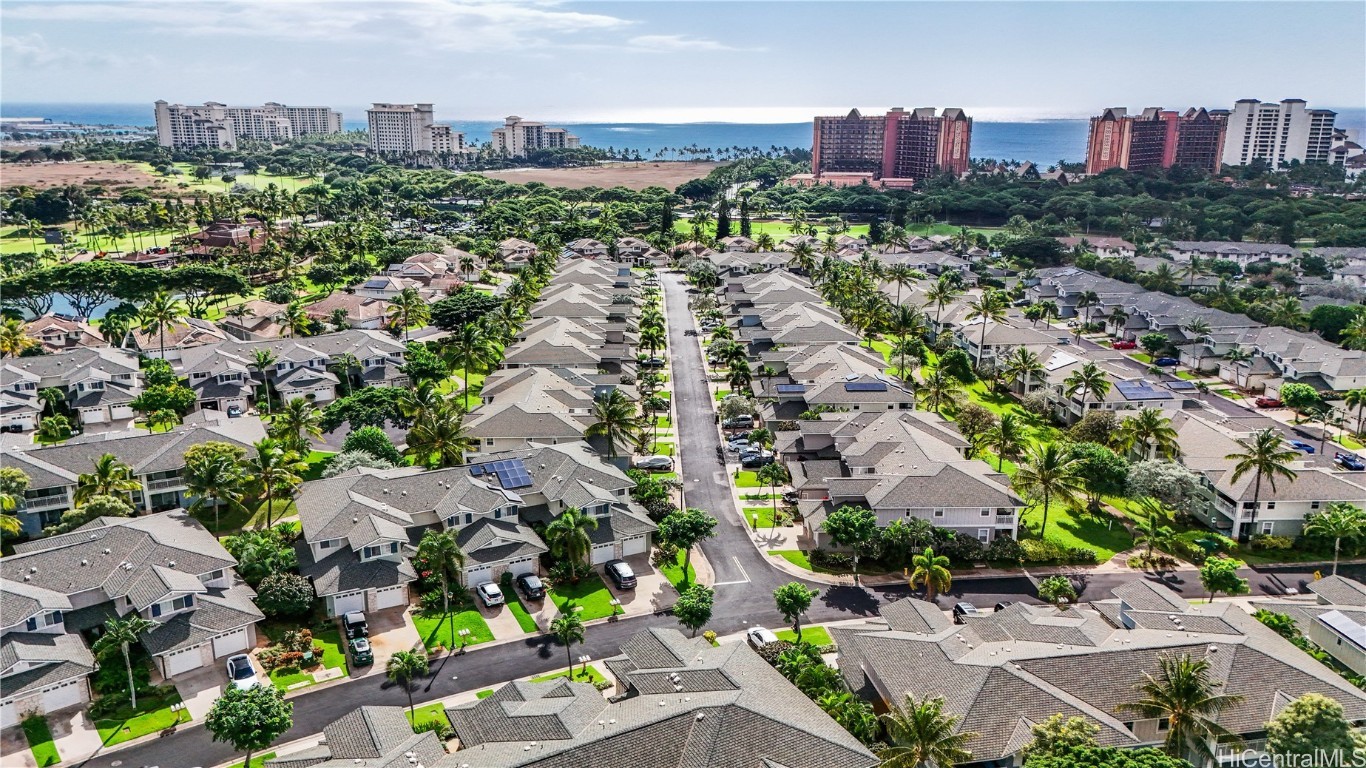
(677,43)
(32,51)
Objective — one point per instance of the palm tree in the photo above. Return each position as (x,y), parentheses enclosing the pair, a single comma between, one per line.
(931,570)
(1185,695)
(470,348)
(161,312)
(1266,454)
(438,435)
(51,397)
(1152,431)
(1152,528)
(294,424)
(941,294)
(343,363)
(1356,398)
(902,276)
(990,306)
(121,633)
(1021,365)
(262,360)
(441,552)
(568,629)
(14,338)
(1087,300)
(652,338)
(405,666)
(1050,473)
(1006,439)
(1340,521)
(216,480)
(408,309)
(1198,328)
(922,735)
(614,418)
(941,389)
(1193,269)
(906,353)
(276,471)
(111,477)
(568,537)
(13,483)
(1354,335)
(1288,313)
(1118,317)
(295,320)
(1088,380)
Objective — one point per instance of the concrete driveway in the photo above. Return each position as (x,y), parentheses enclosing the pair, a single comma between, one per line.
(501,622)
(202,687)
(391,631)
(653,592)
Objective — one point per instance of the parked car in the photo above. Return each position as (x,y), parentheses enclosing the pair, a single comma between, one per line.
(758,637)
(241,673)
(791,497)
(756,460)
(1268,402)
(960,610)
(737,445)
(361,655)
(1349,461)
(354,624)
(489,594)
(738,437)
(653,362)
(234,411)
(653,463)
(531,586)
(745,421)
(1123,344)
(1300,445)
(621,574)
(1165,361)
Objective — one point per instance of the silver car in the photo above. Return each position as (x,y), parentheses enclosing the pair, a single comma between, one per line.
(489,594)
(661,463)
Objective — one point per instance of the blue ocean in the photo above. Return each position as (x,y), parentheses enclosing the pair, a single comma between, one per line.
(1043,142)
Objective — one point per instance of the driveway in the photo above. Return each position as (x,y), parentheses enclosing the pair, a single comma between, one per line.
(653,592)
(501,622)
(14,747)
(391,631)
(202,687)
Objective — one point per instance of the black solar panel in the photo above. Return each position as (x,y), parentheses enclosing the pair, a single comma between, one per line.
(1141,390)
(790,389)
(865,386)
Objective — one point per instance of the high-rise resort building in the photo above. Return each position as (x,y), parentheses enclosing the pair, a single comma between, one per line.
(1278,133)
(893,149)
(519,137)
(1156,138)
(411,129)
(220,126)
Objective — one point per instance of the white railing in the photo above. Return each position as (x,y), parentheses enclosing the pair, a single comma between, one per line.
(165,482)
(47,502)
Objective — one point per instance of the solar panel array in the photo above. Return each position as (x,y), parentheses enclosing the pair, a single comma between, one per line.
(865,386)
(1141,390)
(790,389)
(511,473)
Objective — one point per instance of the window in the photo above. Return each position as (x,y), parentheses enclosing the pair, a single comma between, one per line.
(497,514)
(1164,724)
(373,551)
(986,513)
(984,535)
(1271,505)
(939,513)
(182,602)
(1314,504)
(327,543)
(393,547)
(1266,529)
(214,576)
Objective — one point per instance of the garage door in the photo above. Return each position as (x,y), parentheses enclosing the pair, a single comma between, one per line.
(476,576)
(9,715)
(634,545)
(68,694)
(602,552)
(184,661)
(351,601)
(232,642)
(391,597)
(525,565)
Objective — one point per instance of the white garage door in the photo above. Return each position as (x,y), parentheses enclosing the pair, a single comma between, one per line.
(525,565)
(352,601)
(9,715)
(391,597)
(602,552)
(476,576)
(68,694)
(232,642)
(184,661)
(634,545)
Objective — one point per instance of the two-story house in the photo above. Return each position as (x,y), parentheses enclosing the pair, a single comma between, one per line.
(58,333)
(516,253)
(99,385)
(519,406)
(586,248)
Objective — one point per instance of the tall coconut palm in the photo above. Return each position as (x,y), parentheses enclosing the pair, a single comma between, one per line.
(943,293)
(13,483)
(407,309)
(922,735)
(51,398)
(1089,380)
(14,338)
(906,353)
(568,629)
(470,349)
(214,481)
(1151,431)
(294,425)
(932,571)
(120,634)
(569,537)
(940,390)
(276,471)
(110,477)
(990,307)
(295,319)
(161,313)
(1088,300)
(1197,328)
(1185,694)
(1118,317)
(1268,456)
(403,668)
(1152,528)
(1356,398)
(1022,365)
(263,360)
(440,552)
(902,276)
(438,437)
(614,418)
(652,338)
(1340,521)
(344,363)
(1007,439)
(1050,473)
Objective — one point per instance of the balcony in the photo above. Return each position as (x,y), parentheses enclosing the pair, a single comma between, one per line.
(47,502)
(1005,519)
(165,483)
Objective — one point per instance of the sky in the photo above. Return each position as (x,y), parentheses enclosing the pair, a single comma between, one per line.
(686,60)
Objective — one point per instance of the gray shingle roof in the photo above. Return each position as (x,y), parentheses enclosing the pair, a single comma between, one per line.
(493,541)
(369,737)
(57,657)
(342,571)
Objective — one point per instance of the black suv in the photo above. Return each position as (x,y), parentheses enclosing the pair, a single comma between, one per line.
(531,586)
(621,574)
(354,624)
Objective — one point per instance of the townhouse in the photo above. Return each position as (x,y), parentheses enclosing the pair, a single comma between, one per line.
(732,263)
(585,248)
(255,320)
(569,342)
(98,385)
(388,287)
(166,568)
(1007,671)
(772,325)
(1129,391)
(1065,286)
(190,333)
(639,253)
(929,261)
(516,253)
(520,406)
(737,244)
(361,312)
(990,341)
(1105,247)
(59,333)
(1242,254)
(1280,356)
(1333,616)
(157,459)
(360,528)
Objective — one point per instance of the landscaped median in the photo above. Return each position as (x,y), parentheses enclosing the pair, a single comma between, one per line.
(39,737)
(519,611)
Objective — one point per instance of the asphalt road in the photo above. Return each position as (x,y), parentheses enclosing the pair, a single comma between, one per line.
(744,585)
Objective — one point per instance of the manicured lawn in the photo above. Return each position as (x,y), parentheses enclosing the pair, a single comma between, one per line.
(794,556)
(590,596)
(765,516)
(592,676)
(747,479)
(760,496)
(40,741)
(257,761)
(721,394)
(317,462)
(662,449)
(1078,529)
(334,657)
(436,628)
(519,611)
(1142,357)
(1347,442)
(434,712)
(813,635)
(883,348)
(1188,375)
(674,573)
(663,422)
(154,714)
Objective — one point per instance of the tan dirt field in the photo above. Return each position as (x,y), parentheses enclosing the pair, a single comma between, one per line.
(629,175)
(45,175)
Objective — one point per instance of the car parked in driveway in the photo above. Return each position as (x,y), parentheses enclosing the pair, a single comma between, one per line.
(354,624)
(531,586)
(621,574)
(739,422)
(1165,362)
(489,594)
(1349,461)
(361,654)
(1268,402)
(241,673)
(758,637)
(1122,344)
(1300,445)
(653,362)
(234,411)
(654,463)
(756,460)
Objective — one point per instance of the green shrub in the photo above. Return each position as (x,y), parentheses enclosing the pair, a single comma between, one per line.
(1081,555)
(1269,542)
(112,677)
(1004,549)
(442,730)
(1036,551)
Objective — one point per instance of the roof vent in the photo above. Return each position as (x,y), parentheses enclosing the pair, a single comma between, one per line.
(402,493)
(84,561)
(33,569)
(701,715)
(106,551)
(1213,648)
(171,564)
(26,577)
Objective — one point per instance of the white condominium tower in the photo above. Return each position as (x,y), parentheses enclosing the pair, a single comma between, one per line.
(219,126)
(1277,133)
(411,129)
(517,137)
